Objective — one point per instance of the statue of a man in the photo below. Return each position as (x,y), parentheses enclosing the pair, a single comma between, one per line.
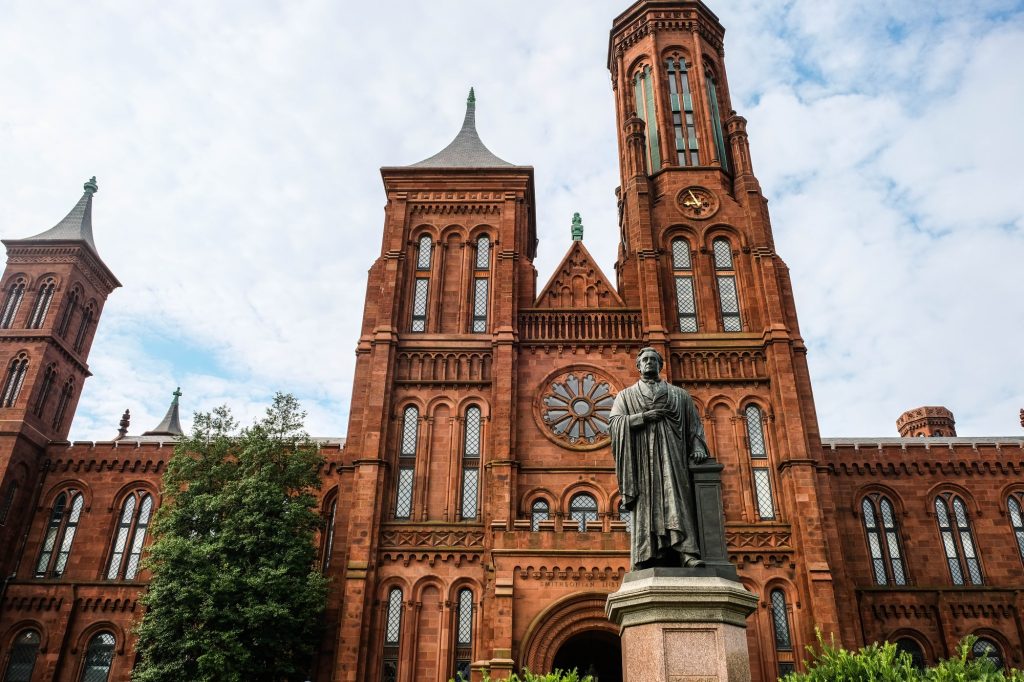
(656,432)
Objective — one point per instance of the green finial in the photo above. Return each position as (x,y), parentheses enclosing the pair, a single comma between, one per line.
(90,186)
(577,227)
(472,97)
(176,394)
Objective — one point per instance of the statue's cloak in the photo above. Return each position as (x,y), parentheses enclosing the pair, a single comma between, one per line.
(652,464)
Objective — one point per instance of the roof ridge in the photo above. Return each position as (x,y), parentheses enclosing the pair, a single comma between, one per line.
(467,150)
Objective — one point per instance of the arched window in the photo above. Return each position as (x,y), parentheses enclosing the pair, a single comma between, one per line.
(643,89)
(913,648)
(60,534)
(783,634)
(66,394)
(539,512)
(69,311)
(15,292)
(83,327)
(42,306)
(683,123)
(133,523)
(583,511)
(464,635)
(407,462)
(392,635)
(471,465)
(716,119)
(23,657)
(682,271)
(1016,508)
(330,512)
(424,250)
(98,657)
(626,517)
(16,372)
(957,539)
(759,463)
(883,540)
(49,377)
(483,252)
(8,501)
(986,648)
(725,274)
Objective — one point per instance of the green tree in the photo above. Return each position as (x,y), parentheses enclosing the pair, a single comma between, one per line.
(235,594)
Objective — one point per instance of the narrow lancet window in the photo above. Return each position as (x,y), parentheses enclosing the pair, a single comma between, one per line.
(15,292)
(83,328)
(883,540)
(66,394)
(783,634)
(69,312)
(98,658)
(643,87)
(328,542)
(471,465)
(716,122)
(60,534)
(424,252)
(480,286)
(130,536)
(683,122)
(759,463)
(682,267)
(957,540)
(1016,509)
(728,298)
(407,463)
(16,372)
(49,377)
(42,306)
(419,304)
(392,635)
(483,252)
(464,636)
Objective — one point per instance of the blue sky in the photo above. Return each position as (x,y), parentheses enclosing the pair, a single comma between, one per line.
(237,148)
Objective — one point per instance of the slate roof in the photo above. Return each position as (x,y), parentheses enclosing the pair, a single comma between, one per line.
(467,150)
(171,424)
(76,225)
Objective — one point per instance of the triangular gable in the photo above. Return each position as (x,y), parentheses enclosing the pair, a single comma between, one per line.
(578,283)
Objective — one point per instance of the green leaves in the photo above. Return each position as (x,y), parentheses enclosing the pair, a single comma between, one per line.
(885,663)
(234,594)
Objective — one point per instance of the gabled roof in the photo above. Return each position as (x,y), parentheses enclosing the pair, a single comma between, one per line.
(467,150)
(578,282)
(77,225)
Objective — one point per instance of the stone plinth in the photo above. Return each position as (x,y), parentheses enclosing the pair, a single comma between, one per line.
(679,626)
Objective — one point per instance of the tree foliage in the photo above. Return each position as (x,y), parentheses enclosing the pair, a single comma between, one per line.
(557,676)
(235,594)
(886,663)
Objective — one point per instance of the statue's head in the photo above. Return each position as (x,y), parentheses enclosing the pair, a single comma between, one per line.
(649,362)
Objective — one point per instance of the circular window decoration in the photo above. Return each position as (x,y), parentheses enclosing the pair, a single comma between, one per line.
(574,407)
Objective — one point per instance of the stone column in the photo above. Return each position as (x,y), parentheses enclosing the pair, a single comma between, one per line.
(682,625)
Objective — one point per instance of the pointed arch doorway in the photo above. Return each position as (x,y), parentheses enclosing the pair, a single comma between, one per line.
(574,633)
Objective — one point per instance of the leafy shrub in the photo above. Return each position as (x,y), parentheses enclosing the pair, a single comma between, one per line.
(557,676)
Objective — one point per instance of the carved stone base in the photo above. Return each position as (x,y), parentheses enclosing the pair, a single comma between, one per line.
(682,628)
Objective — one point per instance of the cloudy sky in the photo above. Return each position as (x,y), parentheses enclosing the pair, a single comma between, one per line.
(237,147)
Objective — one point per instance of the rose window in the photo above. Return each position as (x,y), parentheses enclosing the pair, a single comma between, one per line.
(576,407)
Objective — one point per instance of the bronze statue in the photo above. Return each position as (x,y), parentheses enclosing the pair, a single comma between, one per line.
(656,433)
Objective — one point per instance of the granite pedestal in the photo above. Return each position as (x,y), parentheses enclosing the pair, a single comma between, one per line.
(682,625)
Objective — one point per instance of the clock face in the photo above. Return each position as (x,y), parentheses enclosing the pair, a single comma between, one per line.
(697,203)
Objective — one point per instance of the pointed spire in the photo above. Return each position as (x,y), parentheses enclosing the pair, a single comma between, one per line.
(122,430)
(577,227)
(467,150)
(77,225)
(171,424)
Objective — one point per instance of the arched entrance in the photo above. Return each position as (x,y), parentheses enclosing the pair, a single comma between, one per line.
(573,632)
(594,652)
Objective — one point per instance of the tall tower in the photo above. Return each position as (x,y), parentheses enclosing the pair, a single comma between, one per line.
(432,426)
(698,258)
(53,290)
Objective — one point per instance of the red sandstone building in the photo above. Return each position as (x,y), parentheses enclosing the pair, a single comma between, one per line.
(471,516)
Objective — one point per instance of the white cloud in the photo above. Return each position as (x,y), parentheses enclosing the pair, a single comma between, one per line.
(237,147)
